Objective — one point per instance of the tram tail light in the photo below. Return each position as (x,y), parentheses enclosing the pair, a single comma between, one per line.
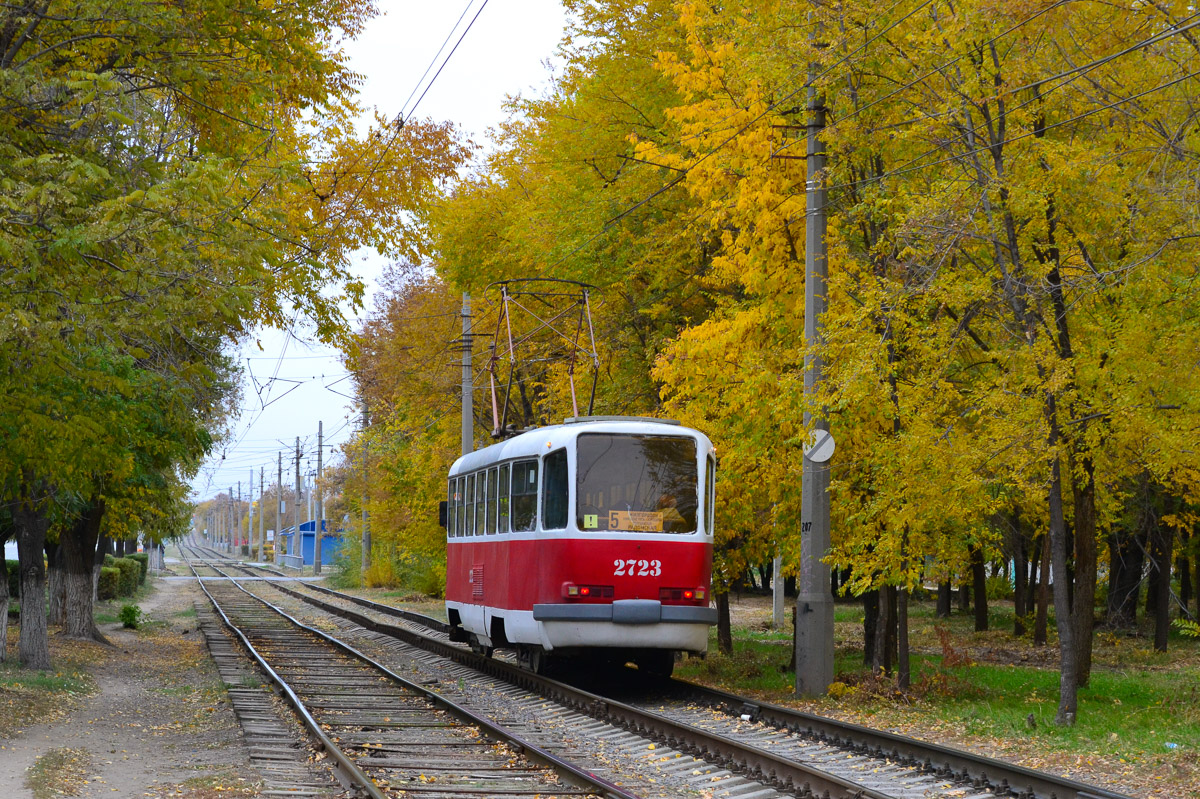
(573,591)
(683,594)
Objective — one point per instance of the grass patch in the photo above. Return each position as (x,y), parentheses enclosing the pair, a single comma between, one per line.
(211,787)
(190,613)
(1141,706)
(30,697)
(1131,714)
(59,772)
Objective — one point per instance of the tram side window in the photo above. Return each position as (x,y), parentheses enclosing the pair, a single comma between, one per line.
(460,485)
(502,497)
(451,516)
(491,501)
(554,491)
(710,494)
(524,496)
(481,493)
(469,507)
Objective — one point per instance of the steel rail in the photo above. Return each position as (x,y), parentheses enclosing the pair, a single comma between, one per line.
(784,774)
(532,751)
(345,763)
(934,758)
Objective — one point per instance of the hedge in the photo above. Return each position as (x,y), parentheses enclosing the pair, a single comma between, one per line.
(143,559)
(110,582)
(131,570)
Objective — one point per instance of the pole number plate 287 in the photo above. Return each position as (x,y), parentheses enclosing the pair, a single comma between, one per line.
(637,568)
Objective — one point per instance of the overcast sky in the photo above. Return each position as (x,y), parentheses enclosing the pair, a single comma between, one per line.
(504,53)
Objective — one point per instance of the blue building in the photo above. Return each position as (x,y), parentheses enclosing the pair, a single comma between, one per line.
(330,542)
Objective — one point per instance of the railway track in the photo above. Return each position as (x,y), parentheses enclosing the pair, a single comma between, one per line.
(387,735)
(782,747)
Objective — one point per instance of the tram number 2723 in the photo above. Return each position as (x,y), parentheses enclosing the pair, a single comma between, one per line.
(638,568)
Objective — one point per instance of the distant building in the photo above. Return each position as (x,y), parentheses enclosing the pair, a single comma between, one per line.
(331,543)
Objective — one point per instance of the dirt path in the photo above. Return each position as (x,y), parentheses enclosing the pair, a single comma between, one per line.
(158,725)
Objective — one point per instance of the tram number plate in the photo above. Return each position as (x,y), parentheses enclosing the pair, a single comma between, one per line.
(636,520)
(637,568)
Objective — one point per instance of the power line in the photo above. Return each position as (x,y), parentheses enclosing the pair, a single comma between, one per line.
(433,60)
(449,55)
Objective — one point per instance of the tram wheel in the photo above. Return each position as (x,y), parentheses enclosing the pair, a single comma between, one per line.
(659,662)
(478,648)
(533,658)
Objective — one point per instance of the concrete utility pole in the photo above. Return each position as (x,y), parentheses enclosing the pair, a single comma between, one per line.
(366,529)
(777,592)
(317,491)
(229,519)
(297,539)
(279,510)
(250,517)
(468,410)
(814,603)
(308,494)
(262,510)
(238,535)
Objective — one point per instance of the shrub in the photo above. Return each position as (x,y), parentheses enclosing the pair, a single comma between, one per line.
(999,588)
(131,570)
(110,582)
(14,577)
(143,559)
(110,561)
(131,617)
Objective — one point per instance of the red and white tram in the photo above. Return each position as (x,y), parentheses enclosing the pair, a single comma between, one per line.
(593,537)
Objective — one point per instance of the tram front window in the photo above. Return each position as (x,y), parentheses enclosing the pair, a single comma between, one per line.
(633,483)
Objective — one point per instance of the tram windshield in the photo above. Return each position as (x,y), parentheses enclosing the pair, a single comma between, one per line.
(633,483)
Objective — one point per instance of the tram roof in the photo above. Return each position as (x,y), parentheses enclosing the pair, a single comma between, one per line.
(541,440)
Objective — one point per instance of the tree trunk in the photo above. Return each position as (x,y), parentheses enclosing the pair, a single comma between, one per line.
(4,600)
(892,639)
(1196,581)
(31,523)
(882,653)
(54,584)
(78,549)
(1083,607)
(1019,587)
(980,579)
(870,600)
(1032,579)
(1184,569)
(1068,678)
(1152,578)
(903,670)
(1160,554)
(879,647)
(1040,633)
(1126,560)
(102,545)
(964,596)
(943,600)
(724,634)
